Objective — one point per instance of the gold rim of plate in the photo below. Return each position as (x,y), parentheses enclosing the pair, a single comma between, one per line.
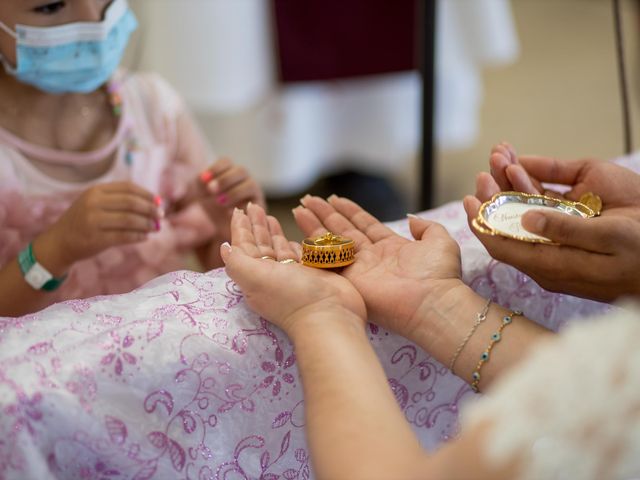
(481,223)
(328,251)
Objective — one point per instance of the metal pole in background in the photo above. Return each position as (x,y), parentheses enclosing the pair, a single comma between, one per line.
(427,31)
(622,78)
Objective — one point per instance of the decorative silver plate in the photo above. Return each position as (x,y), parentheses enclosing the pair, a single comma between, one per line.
(502,215)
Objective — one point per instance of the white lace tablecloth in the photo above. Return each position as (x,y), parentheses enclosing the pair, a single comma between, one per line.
(179,379)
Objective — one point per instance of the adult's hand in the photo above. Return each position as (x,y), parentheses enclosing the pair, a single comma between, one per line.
(617,186)
(596,257)
(398,278)
(287,294)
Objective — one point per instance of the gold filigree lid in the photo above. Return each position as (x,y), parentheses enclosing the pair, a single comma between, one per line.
(328,251)
(502,215)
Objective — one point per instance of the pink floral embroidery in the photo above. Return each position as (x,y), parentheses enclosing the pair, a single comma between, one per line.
(277,371)
(25,412)
(120,355)
(100,471)
(83,385)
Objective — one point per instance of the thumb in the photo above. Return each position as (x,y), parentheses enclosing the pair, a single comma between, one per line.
(584,233)
(471,206)
(420,227)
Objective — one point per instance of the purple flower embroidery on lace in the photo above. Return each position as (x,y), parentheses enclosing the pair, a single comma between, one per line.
(83,385)
(40,348)
(276,371)
(159,397)
(99,471)
(120,356)
(78,306)
(400,392)
(116,429)
(25,411)
(268,460)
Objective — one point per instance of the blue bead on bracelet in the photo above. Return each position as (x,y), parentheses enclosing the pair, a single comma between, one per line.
(495,338)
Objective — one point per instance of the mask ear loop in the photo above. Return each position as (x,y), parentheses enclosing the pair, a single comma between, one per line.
(8,30)
(3,61)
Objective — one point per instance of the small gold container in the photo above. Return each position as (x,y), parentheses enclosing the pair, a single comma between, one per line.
(328,251)
(593,201)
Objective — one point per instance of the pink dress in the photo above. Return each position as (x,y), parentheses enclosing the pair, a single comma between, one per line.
(155,148)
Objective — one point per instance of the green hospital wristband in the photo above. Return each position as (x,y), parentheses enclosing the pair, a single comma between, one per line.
(35,274)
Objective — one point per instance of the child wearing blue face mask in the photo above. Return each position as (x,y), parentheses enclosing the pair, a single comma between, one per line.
(105,181)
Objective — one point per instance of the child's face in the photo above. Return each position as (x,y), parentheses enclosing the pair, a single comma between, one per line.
(45,13)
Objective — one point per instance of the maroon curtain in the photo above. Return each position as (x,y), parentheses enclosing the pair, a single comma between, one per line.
(330,39)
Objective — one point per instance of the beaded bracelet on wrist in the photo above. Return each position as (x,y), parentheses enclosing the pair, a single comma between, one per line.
(495,338)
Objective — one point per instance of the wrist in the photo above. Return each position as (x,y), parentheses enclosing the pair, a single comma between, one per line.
(443,319)
(51,254)
(307,322)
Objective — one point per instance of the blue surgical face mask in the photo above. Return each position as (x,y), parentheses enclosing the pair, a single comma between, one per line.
(73,58)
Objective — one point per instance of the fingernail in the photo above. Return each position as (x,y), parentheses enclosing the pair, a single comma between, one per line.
(157,200)
(226,246)
(331,197)
(156,225)
(206,176)
(411,215)
(535,222)
(213,186)
(304,199)
(249,204)
(222,199)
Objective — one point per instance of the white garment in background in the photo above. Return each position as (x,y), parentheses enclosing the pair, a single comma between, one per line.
(219,56)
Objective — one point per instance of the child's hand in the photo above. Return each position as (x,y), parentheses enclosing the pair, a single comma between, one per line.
(104,216)
(219,189)
(228,186)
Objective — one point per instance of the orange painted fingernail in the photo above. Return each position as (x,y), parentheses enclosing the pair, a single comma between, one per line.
(206,176)
(157,200)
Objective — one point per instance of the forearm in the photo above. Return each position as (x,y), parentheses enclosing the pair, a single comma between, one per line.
(18,297)
(448,318)
(354,425)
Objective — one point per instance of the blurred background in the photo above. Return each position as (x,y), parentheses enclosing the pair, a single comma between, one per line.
(324,95)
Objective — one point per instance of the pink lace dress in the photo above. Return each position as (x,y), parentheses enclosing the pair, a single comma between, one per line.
(179,379)
(153,149)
